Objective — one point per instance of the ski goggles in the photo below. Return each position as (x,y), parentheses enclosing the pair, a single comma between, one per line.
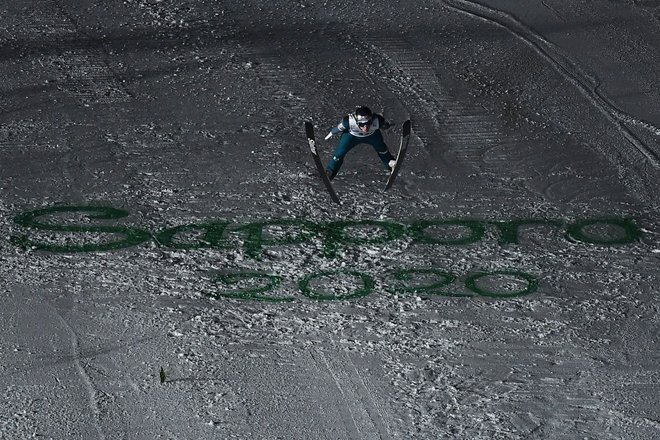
(363,122)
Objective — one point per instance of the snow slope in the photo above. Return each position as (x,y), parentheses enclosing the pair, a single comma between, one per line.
(173,268)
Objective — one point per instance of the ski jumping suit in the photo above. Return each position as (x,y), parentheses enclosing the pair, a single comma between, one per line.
(353,136)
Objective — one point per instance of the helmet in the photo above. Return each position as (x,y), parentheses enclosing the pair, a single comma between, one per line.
(363,115)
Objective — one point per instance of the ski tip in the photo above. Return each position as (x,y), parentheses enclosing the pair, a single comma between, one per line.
(407,126)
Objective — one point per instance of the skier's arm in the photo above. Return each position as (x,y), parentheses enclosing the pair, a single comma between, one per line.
(341,128)
(385,125)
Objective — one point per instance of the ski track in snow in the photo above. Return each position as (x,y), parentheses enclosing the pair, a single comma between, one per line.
(587,83)
(367,421)
(436,115)
(76,357)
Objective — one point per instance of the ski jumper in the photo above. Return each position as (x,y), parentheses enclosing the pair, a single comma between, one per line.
(353,136)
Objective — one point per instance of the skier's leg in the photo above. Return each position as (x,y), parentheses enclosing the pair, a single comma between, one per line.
(376,141)
(346,144)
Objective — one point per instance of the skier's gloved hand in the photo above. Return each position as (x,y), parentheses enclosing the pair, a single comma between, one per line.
(388,125)
(335,130)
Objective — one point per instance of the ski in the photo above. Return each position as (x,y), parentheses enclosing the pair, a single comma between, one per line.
(403,147)
(309,131)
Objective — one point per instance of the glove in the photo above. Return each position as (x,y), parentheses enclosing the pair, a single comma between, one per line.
(329,135)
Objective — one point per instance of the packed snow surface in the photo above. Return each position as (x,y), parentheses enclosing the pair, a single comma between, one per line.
(173,267)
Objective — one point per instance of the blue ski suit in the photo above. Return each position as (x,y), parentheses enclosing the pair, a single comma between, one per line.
(352,135)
